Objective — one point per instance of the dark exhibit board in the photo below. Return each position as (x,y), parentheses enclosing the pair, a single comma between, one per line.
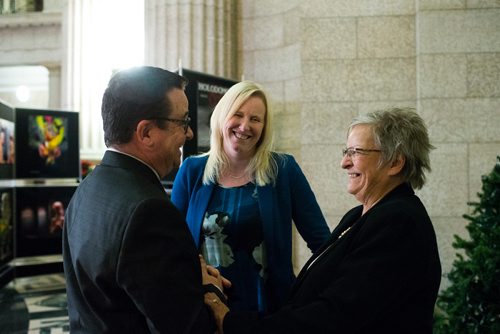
(40,217)
(203,92)
(6,226)
(39,172)
(7,141)
(49,142)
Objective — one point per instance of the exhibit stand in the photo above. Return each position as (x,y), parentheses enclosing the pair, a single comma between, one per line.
(39,172)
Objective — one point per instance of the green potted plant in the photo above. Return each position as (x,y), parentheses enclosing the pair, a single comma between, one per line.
(471,304)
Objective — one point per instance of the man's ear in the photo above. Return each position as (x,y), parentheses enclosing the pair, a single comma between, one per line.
(397,165)
(143,132)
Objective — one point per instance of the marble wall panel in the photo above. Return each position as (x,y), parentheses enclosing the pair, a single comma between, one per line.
(328,38)
(483,4)
(48,38)
(329,8)
(5,39)
(246,8)
(384,79)
(483,120)
(326,122)
(366,107)
(462,120)
(292,28)
(247,65)
(292,108)
(278,63)
(446,192)
(287,131)
(483,74)
(300,252)
(325,81)
(442,75)
(293,90)
(320,177)
(359,80)
(266,8)
(321,164)
(446,120)
(24,38)
(52,6)
(445,229)
(482,159)
(248,36)
(268,32)
(276,93)
(459,31)
(30,57)
(441,4)
(386,36)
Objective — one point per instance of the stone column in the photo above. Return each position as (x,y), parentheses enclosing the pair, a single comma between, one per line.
(201,35)
(54,86)
(84,75)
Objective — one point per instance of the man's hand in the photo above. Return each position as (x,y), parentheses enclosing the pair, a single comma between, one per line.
(211,275)
(218,308)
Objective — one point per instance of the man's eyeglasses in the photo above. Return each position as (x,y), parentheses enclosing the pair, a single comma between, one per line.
(352,151)
(182,122)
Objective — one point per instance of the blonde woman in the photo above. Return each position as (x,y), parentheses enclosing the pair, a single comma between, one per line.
(240,199)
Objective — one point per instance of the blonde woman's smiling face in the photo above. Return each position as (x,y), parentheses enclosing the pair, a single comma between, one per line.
(243,130)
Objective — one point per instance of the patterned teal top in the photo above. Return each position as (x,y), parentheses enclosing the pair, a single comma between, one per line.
(233,243)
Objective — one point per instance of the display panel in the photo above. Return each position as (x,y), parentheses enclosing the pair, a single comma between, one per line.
(6,226)
(49,142)
(203,92)
(7,141)
(40,218)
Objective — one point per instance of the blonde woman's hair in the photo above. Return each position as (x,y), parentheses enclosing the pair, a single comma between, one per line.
(262,165)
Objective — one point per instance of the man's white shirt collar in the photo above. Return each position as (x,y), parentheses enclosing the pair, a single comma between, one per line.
(136,158)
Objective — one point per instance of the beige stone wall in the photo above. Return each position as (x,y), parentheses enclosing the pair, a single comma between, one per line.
(458,95)
(326,61)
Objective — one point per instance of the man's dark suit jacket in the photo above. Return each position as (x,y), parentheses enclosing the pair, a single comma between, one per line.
(381,276)
(130,262)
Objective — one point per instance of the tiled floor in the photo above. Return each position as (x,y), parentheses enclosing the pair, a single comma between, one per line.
(34,305)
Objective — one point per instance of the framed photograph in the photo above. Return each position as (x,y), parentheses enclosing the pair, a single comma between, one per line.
(49,142)
(6,226)
(7,141)
(40,218)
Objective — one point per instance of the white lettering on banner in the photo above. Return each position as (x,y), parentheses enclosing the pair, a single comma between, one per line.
(203,87)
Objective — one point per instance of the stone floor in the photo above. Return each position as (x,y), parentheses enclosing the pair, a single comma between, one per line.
(34,304)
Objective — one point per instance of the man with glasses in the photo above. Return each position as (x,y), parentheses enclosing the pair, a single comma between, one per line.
(130,262)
